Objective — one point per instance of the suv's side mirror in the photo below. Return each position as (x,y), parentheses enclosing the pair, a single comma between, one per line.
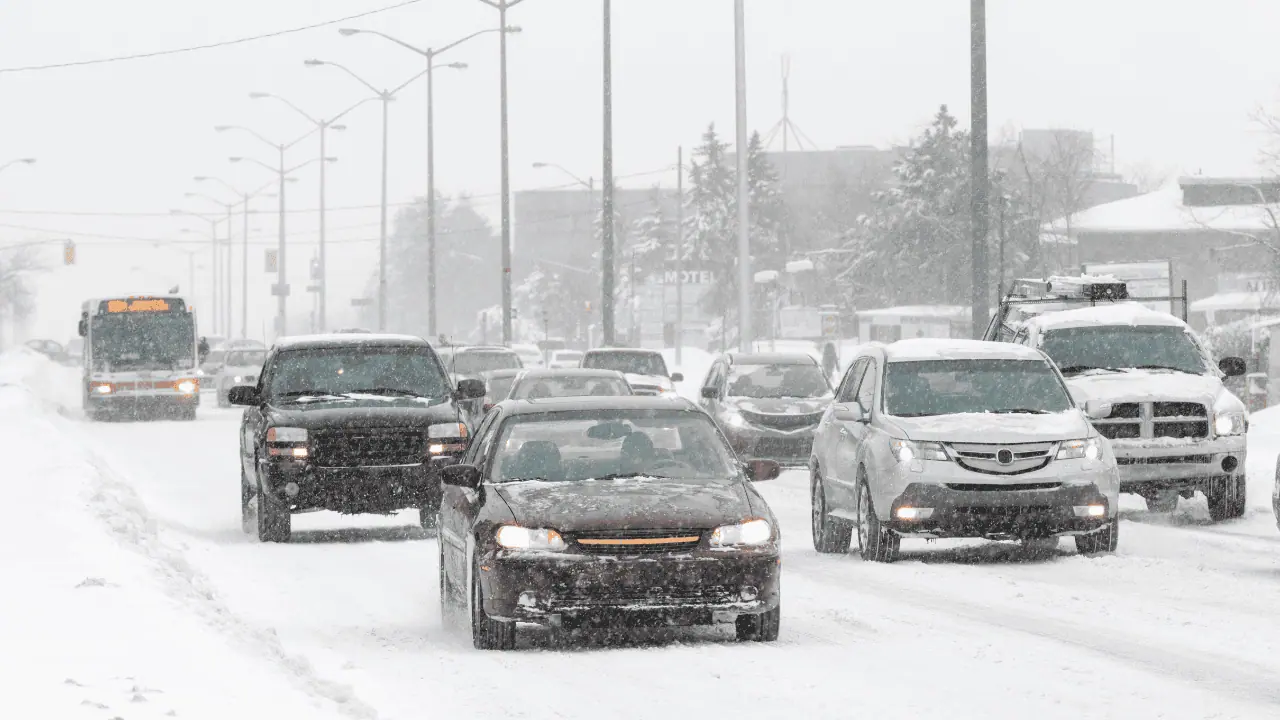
(760,470)
(469,389)
(851,412)
(1232,366)
(463,476)
(82,327)
(711,393)
(203,349)
(677,377)
(243,395)
(1097,410)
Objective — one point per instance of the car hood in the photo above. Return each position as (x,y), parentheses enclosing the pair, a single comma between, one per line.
(657,381)
(780,406)
(627,503)
(994,428)
(1145,385)
(362,411)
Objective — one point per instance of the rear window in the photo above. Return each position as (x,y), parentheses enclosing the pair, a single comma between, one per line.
(636,363)
(946,387)
(471,362)
(569,386)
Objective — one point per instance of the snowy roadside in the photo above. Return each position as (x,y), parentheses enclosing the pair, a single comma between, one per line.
(102,615)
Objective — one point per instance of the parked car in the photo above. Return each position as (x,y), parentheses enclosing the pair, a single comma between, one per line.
(241,367)
(595,511)
(960,438)
(353,423)
(568,382)
(768,404)
(564,359)
(646,370)
(51,349)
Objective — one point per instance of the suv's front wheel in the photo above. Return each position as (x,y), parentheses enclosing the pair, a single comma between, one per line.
(875,542)
(275,523)
(1101,542)
(829,535)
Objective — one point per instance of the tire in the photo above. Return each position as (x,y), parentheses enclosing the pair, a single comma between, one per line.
(187,414)
(1226,498)
(1241,504)
(1100,543)
(876,543)
(1161,502)
(829,534)
(759,628)
(448,614)
(486,633)
(248,523)
(274,521)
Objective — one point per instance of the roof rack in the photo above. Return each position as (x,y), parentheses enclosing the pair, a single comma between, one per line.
(1070,291)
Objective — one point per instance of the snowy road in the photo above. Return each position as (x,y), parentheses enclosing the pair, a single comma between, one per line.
(1181,623)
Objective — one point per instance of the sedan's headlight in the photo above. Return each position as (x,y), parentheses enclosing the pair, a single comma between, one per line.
(514,537)
(1230,423)
(733,418)
(1087,449)
(907,450)
(749,533)
(287,434)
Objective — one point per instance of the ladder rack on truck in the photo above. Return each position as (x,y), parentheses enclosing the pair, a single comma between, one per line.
(1066,293)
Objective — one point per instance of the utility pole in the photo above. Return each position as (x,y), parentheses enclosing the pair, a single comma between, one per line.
(607,309)
(282,278)
(382,232)
(679,254)
(230,289)
(979,196)
(322,280)
(244,273)
(744,197)
(431,199)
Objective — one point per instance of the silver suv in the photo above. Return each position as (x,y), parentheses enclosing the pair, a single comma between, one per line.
(959,438)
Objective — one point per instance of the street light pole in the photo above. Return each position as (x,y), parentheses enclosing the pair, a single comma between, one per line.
(679,254)
(979,206)
(744,208)
(606,215)
(382,231)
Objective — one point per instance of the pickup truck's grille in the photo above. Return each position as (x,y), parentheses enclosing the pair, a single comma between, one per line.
(1164,419)
(368,447)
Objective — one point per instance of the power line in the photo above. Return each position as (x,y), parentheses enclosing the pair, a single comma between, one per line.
(210,46)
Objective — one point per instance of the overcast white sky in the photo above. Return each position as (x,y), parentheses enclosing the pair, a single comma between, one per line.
(1175,82)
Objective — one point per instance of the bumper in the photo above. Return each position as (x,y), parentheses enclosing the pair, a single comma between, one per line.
(574,591)
(1000,514)
(301,486)
(786,448)
(1186,466)
(125,403)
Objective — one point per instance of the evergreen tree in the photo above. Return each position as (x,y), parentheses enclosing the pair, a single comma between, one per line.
(770,218)
(711,220)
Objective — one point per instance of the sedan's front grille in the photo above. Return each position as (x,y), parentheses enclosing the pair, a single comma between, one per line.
(1017,487)
(636,542)
(1162,419)
(368,447)
(1013,459)
(782,421)
(656,595)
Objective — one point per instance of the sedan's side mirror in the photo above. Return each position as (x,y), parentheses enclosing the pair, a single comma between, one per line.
(677,377)
(711,393)
(850,413)
(760,470)
(243,395)
(463,476)
(469,389)
(1097,410)
(1232,366)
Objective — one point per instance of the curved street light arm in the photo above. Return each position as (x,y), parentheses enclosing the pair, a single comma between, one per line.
(220,181)
(340,115)
(254,133)
(565,170)
(296,109)
(432,52)
(358,79)
(406,83)
(299,139)
(425,53)
(257,162)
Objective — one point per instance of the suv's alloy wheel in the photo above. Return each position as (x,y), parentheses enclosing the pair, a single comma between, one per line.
(875,542)
(829,535)
(1101,542)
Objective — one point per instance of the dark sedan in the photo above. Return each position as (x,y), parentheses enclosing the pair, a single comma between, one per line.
(595,511)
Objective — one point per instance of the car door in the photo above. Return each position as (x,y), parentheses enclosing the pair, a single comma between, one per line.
(714,380)
(828,429)
(838,441)
(459,506)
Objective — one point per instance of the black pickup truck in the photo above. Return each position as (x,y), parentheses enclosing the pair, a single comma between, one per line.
(354,423)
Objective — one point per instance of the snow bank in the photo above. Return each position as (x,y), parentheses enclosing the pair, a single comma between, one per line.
(1260,465)
(102,615)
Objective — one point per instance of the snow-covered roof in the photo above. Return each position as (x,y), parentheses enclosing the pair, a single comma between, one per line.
(957,349)
(941,311)
(1121,313)
(1232,301)
(1163,211)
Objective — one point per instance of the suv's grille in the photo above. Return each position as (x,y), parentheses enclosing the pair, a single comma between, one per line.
(635,542)
(1002,459)
(1169,419)
(657,595)
(368,447)
(781,421)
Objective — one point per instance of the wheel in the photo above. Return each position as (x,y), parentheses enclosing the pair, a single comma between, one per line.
(1226,498)
(759,628)
(247,519)
(829,535)
(274,521)
(486,633)
(187,414)
(427,518)
(1102,542)
(448,614)
(1241,503)
(1164,501)
(875,542)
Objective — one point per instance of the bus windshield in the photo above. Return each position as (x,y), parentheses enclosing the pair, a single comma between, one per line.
(143,341)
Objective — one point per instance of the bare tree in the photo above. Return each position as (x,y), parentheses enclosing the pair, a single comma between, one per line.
(17,300)
(1058,179)
(1148,177)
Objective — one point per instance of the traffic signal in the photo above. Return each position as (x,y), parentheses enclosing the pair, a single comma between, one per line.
(272,261)
(69,253)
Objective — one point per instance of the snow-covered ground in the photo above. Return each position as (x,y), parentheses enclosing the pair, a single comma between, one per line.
(1180,623)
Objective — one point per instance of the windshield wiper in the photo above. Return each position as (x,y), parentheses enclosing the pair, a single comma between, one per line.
(1164,367)
(625,476)
(1082,368)
(385,391)
(1026,411)
(307,393)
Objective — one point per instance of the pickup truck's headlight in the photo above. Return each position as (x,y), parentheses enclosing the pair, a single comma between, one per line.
(1088,449)
(514,537)
(749,533)
(907,450)
(1230,423)
(287,434)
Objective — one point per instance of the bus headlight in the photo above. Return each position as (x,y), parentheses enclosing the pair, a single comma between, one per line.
(101,388)
(187,387)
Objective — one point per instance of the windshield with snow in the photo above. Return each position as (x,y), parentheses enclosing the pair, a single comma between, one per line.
(636,363)
(946,387)
(1077,350)
(612,444)
(388,371)
(778,381)
(143,341)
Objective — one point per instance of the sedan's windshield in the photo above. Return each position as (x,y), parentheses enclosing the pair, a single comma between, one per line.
(636,363)
(1121,347)
(549,386)
(393,371)
(945,387)
(778,381)
(612,443)
(471,362)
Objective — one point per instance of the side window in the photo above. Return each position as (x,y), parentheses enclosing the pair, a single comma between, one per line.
(481,438)
(867,389)
(849,388)
(714,376)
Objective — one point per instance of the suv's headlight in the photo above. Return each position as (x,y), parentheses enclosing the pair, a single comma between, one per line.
(286,434)
(907,450)
(1088,449)
(748,533)
(1230,423)
(514,537)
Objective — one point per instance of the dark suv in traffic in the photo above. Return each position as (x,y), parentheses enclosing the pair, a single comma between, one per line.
(354,423)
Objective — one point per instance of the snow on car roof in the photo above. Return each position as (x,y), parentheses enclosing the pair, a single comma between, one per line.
(1121,313)
(347,340)
(917,349)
